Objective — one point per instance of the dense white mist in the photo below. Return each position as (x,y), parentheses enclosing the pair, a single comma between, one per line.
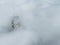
(39,19)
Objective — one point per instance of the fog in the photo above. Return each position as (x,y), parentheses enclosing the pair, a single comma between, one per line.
(38,22)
